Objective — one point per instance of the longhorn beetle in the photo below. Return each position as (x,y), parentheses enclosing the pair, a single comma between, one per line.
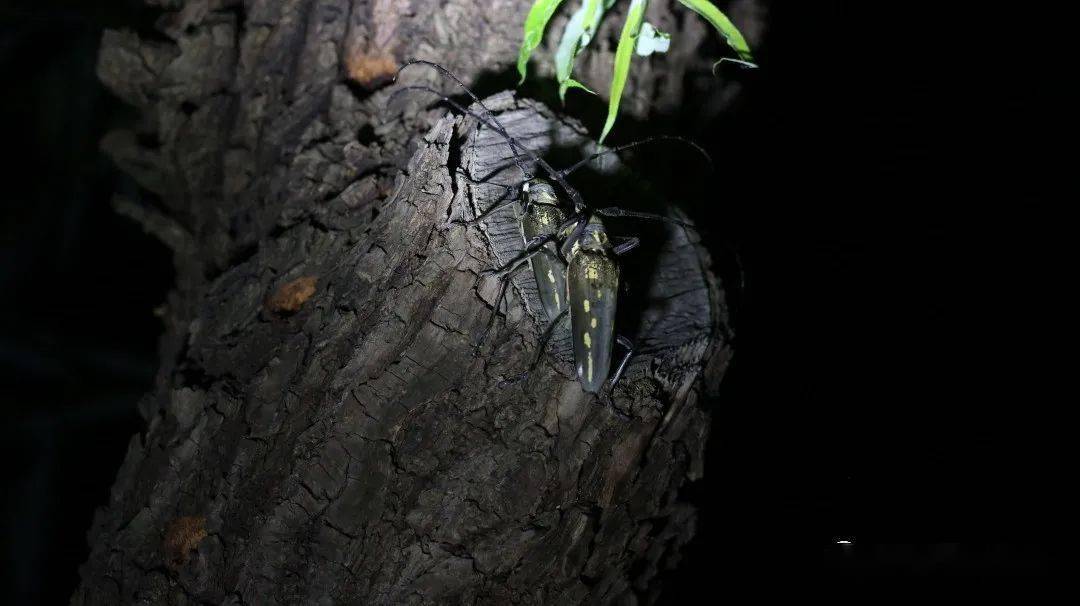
(580,278)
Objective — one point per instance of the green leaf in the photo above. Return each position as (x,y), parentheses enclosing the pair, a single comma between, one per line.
(652,41)
(723,25)
(627,42)
(571,83)
(578,33)
(535,24)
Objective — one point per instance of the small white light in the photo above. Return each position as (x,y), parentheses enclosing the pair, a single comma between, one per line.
(843,542)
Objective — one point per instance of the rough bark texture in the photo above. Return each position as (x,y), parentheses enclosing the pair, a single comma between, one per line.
(323,429)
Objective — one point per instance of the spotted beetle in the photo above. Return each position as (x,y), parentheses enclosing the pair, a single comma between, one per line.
(542,215)
(573,260)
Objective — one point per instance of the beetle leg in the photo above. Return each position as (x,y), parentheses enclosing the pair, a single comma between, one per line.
(498,303)
(504,201)
(498,206)
(492,123)
(573,227)
(629,345)
(532,247)
(627,246)
(544,340)
(487,180)
(577,222)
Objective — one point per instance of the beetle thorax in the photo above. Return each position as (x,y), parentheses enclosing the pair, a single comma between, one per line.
(594,237)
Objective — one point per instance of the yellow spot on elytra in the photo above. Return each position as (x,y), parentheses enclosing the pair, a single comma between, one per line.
(592,273)
(592,323)
(599,294)
(588,341)
(585,304)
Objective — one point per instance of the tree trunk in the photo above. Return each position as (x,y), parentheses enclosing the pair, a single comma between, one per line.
(324,427)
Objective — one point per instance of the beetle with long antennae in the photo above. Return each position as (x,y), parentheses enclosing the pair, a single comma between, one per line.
(578,276)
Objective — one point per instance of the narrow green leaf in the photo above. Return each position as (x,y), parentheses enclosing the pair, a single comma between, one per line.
(571,83)
(535,24)
(627,42)
(576,36)
(723,25)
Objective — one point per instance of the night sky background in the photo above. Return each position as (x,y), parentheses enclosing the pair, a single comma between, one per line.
(882,183)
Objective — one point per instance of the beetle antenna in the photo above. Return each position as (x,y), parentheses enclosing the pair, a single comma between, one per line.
(618,148)
(579,202)
(739,62)
(495,124)
(615,211)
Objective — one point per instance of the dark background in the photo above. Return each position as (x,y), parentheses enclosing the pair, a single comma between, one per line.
(881,183)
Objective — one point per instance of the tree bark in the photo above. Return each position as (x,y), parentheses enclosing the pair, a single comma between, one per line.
(324,427)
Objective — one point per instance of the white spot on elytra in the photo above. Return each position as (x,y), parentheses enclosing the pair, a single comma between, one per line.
(585,304)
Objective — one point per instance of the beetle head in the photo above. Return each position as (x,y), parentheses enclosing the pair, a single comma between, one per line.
(539,191)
